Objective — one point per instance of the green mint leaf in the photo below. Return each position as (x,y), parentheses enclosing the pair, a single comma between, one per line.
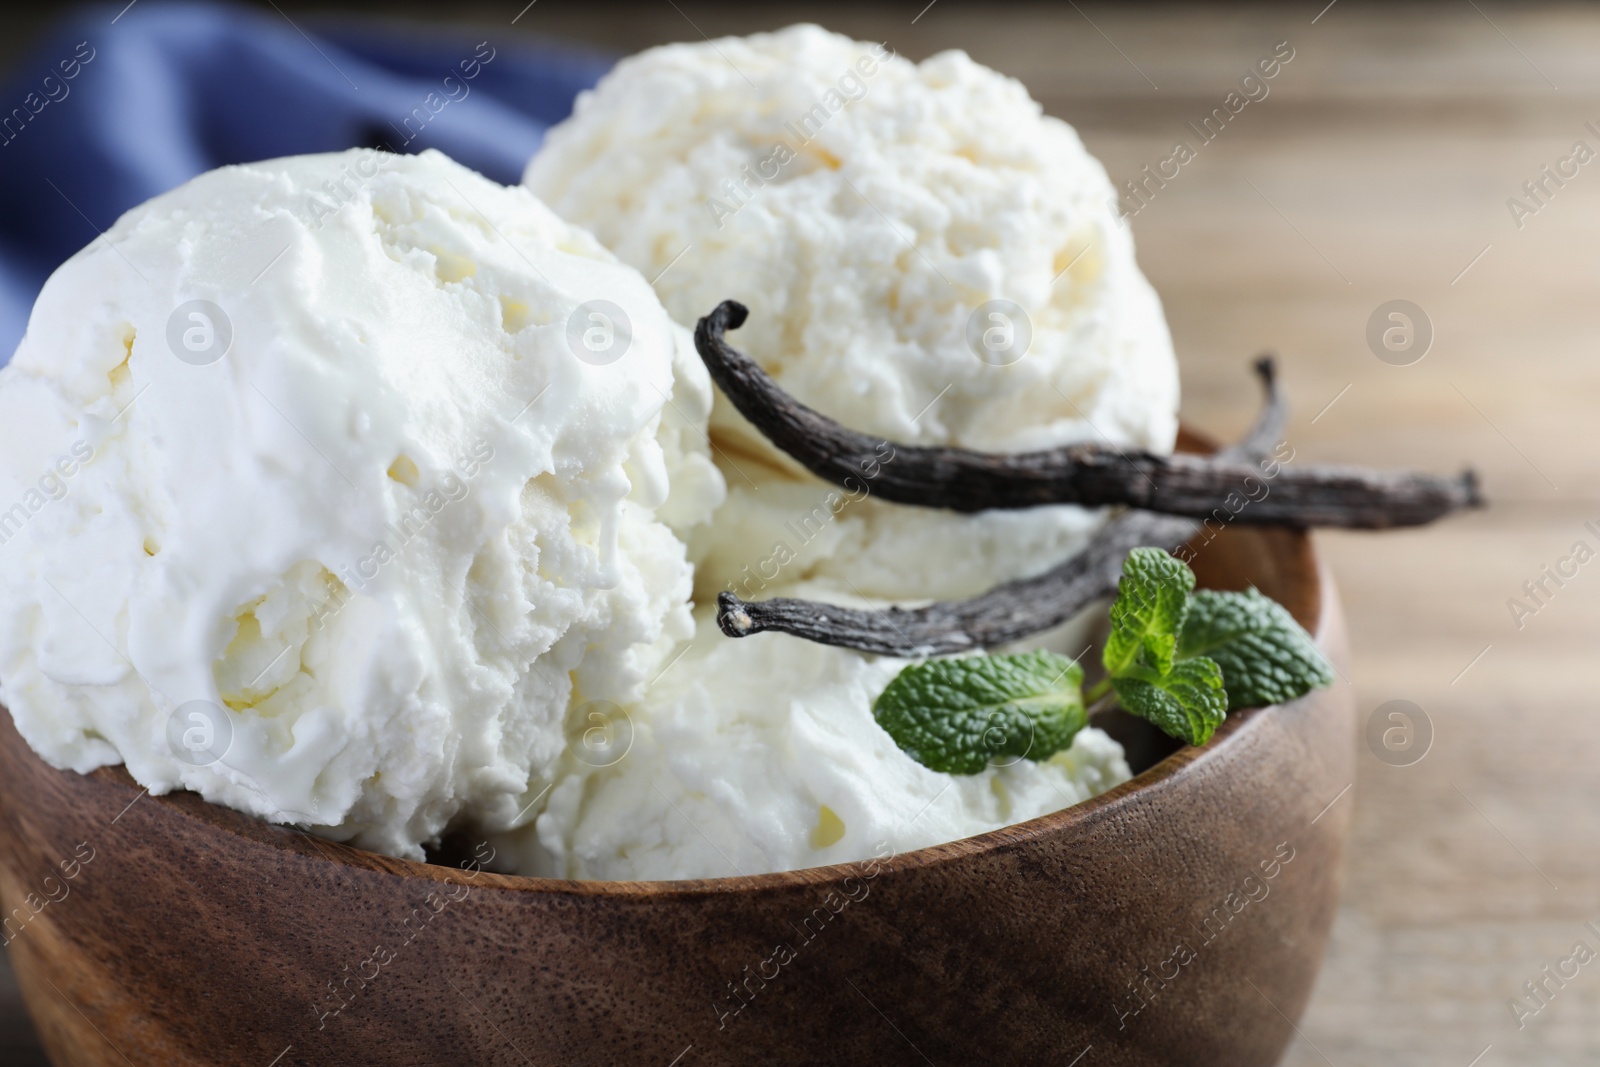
(1187,702)
(961,715)
(1265,656)
(1184,698)
(1147,616)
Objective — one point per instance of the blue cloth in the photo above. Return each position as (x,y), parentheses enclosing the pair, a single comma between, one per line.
(104,115)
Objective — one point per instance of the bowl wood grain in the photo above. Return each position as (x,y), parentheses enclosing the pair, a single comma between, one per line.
(1179,919)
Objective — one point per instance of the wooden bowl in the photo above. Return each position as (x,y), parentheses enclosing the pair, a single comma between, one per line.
(1179,919)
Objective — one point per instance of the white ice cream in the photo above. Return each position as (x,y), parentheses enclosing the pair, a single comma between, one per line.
(865,208)
(432,553)
(397,529)
(762,755)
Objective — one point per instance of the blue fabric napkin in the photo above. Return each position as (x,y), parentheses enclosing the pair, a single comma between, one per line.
(116,105)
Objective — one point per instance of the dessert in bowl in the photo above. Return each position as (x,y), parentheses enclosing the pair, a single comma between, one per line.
(408,519)
(1135,922)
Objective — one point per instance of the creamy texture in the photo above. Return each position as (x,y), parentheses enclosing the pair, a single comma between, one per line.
(762,755)
(515,662)
(866,208)
(397,530)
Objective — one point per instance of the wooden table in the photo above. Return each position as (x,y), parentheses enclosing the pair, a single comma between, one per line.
(1378,168)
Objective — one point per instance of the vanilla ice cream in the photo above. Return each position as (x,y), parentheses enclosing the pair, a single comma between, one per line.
(762,755)
(362,493)
(329,486)
(871,212)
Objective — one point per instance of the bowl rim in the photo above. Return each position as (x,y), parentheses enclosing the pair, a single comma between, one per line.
(1319,605)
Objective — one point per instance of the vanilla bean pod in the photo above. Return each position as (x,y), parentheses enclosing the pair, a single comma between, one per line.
(1008,612)
(1090,475)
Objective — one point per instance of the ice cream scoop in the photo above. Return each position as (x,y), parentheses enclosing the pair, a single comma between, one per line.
(328,485)
(763,755)
(926,256)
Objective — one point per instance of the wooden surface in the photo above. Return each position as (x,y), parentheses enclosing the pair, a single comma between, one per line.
(1378,168)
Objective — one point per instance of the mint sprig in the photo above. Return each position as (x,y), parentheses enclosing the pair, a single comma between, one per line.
(1265,656)
(962,715)
(1187,702)
(1178,658)
(1147,616)
(1185,698)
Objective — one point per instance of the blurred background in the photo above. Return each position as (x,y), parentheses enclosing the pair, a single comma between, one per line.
(1386,164)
